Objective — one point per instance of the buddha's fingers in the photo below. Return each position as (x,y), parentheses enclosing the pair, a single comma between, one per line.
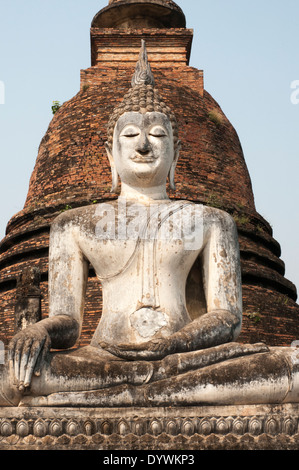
(138,355)
(256,348)
(16,357)
(123,354)
(124,347)
(32,361)
(24,363)
(135,353)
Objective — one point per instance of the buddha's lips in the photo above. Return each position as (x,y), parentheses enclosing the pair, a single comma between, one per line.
(143,159)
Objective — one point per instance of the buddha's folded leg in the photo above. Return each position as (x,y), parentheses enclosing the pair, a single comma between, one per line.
(86,369)
(89,369)
(181,363)
(93,369)
(264,378)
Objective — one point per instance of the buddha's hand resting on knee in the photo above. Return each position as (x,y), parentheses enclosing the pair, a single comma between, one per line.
(27,351)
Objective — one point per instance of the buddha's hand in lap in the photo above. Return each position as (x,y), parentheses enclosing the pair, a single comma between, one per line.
(149,351)
(27,352)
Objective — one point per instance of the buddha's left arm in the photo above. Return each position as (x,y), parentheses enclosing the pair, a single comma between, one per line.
(222,271)
(222,285)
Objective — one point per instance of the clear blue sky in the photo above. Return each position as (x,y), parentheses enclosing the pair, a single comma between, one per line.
(248,49)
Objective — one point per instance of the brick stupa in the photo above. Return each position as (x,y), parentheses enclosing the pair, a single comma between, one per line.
(72,168)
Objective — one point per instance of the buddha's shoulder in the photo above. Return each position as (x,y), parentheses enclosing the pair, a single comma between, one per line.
(208,213)
(80,216)
(218,216)
(205,210)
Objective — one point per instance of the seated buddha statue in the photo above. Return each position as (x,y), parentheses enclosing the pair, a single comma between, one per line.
(147,349)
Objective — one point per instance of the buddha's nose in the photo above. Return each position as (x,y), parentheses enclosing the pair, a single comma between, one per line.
(143,144)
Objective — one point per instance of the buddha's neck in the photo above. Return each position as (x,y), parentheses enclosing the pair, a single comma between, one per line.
(144,195)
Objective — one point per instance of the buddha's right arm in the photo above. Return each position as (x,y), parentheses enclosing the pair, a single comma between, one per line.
(67,283)
(29,347)
(68,271)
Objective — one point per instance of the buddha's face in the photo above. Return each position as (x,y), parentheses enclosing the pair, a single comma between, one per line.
(143,148)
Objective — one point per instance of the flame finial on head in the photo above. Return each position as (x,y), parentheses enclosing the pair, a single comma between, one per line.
(143,72)
(142,97)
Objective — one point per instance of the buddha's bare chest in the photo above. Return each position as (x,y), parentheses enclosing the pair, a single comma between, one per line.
(112,258)
(142,239)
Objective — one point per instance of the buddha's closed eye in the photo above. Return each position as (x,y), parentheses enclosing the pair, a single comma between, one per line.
(130,132)
(158,132)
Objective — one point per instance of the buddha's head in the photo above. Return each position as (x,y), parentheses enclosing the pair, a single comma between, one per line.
(143,145)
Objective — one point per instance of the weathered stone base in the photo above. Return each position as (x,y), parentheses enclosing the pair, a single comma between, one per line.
(259,427)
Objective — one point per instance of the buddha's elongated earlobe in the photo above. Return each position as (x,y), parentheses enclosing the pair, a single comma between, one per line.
(113,169)
(173,166)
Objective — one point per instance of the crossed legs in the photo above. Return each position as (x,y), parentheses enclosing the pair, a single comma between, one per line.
(230,374)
